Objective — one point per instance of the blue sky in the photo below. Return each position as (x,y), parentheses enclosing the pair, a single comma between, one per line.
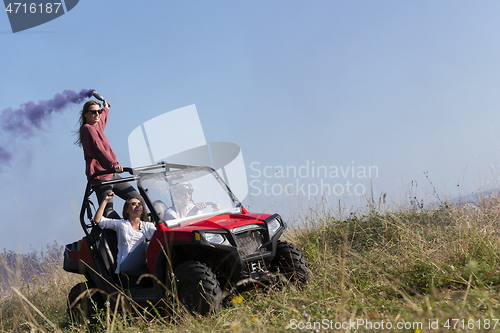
(407,86)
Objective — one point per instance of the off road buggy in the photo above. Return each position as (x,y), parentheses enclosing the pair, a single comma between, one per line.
(198,259)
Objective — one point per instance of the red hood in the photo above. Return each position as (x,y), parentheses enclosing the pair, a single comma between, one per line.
(226,221)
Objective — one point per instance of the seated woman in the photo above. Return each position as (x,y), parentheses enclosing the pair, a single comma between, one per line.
(132,233)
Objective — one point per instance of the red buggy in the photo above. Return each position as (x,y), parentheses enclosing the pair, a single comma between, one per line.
(199,258)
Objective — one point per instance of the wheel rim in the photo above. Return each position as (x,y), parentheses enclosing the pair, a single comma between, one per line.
(189,295)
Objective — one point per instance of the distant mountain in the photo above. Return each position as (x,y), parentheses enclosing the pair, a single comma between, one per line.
(477,196)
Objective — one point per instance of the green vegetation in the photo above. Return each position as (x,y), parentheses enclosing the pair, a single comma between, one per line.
(416,268)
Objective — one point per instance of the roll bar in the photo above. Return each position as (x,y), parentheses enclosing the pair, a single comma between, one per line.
(134,174)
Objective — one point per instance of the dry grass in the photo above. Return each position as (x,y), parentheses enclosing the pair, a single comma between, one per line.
(410,267)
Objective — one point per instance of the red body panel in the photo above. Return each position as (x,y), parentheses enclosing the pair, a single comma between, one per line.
(82,254)
(184,232)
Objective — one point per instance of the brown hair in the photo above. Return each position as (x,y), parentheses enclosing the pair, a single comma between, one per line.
(144,215)
(82,121)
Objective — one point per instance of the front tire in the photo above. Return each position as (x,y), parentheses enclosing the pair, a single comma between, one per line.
(82,304)
(198,288)
(291,264)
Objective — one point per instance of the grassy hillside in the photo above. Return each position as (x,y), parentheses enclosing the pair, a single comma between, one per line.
(411,270)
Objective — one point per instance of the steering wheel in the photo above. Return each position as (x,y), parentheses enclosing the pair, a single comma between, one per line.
(195,209)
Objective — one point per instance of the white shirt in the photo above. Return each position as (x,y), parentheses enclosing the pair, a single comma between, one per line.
(128,238)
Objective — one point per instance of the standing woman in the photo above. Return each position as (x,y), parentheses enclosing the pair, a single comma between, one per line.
(99,155)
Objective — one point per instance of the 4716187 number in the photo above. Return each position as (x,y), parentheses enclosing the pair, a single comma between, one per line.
(33,8)
(488,324)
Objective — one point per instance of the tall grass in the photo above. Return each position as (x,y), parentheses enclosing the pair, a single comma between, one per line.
(33,290)
(413,267)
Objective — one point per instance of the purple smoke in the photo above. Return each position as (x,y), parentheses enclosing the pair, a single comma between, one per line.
(4,155)
(24,122)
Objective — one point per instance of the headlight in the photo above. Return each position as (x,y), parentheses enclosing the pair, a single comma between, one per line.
(214,238)
(273,226)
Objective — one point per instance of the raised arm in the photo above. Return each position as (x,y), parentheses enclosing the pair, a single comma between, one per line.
(100,211)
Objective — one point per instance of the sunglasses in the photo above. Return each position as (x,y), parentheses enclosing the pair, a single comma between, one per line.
(95,111)
(182,193)
(133,204)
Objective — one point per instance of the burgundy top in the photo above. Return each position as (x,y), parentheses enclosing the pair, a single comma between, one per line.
(96,149)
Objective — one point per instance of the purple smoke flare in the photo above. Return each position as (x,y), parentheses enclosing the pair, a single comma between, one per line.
(30,116)
(5,156)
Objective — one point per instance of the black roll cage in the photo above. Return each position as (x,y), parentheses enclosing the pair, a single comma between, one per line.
(135,175)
